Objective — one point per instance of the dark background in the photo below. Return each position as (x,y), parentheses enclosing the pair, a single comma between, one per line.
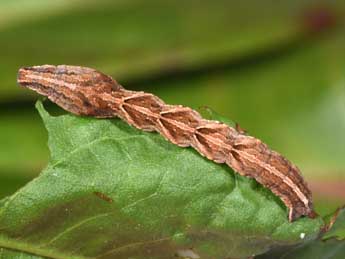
(278,69)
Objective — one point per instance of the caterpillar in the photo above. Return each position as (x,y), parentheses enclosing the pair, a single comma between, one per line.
(88,92)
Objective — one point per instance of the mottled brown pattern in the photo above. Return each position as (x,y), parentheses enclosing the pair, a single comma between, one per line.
(85,91)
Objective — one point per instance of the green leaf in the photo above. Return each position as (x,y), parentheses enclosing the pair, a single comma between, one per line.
(337,229)
(3,201)
(332,249)
(111,191)
(12,254)
(329,245)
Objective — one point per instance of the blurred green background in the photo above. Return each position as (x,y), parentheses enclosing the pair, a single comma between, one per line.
(275,67)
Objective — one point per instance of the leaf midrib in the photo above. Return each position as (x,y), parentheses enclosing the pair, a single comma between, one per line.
(35,250)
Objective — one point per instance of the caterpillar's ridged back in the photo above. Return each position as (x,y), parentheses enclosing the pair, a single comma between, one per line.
(85,91)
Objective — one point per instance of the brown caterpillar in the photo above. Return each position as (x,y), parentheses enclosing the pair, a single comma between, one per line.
(85,91)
